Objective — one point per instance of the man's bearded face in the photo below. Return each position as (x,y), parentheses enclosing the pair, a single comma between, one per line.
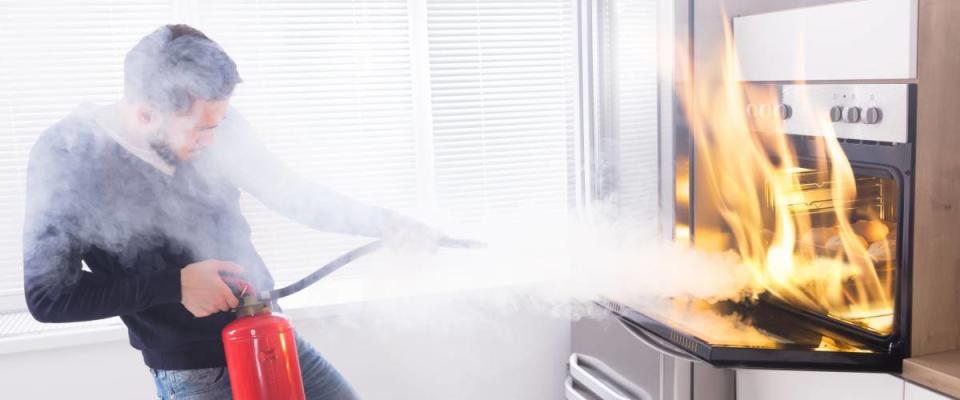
(182,136)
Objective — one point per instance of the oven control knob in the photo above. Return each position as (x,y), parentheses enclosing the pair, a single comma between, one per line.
(874,115)
(836,113)
(786,111)
(763,111)
(853,115)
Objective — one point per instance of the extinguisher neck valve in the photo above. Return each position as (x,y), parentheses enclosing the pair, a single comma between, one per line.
(251,305)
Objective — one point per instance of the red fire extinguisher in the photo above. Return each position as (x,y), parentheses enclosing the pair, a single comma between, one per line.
(260,347)
(262,354)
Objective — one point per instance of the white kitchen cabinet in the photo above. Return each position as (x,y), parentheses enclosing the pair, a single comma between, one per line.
(914,392)
(805,385)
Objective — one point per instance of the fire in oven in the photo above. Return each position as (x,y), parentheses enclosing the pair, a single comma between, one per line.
(809,186)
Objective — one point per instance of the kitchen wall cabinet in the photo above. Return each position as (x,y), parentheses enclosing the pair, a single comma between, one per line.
(804,385)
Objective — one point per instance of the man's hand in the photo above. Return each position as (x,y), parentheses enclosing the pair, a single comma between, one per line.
(413,236)
(203,291)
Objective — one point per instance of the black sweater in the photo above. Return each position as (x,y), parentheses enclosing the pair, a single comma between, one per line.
(90,201)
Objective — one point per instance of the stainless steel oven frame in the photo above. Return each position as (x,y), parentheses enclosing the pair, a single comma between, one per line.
(867,157)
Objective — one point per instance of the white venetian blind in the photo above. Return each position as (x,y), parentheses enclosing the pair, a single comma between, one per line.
(468,106)
(503,80)
(55,55)
(629,64)
(328,87)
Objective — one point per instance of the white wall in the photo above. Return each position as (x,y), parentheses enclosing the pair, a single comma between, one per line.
(439,351)
(110,371)
(447,352)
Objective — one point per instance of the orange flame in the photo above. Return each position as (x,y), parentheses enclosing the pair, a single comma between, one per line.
(750,175)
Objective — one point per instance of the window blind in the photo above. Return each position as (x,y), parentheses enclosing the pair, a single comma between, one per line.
(629,105)
(328,86)
(503,89)
(55,55)
(466,106)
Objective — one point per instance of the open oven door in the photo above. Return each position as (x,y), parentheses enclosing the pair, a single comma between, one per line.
(771,337)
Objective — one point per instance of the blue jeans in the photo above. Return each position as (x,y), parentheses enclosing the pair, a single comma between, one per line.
(321,381)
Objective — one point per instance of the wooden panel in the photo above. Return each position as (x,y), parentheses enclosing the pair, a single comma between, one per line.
(936,256)
(940,372)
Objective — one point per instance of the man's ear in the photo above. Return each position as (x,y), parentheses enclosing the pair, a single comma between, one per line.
(147,116)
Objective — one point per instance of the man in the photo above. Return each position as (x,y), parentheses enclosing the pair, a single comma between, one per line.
(133,212)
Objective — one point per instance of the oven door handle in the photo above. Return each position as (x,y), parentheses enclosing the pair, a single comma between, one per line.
(656,343)
(582,371)
(571,393)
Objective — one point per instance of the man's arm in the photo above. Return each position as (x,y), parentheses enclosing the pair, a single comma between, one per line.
(254,169)
(56,287)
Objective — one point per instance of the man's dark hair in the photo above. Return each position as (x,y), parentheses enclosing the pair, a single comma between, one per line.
(176,65)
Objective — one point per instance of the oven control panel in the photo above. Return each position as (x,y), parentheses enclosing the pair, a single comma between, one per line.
(872,112)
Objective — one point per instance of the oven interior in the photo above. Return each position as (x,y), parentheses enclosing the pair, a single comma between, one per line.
(873,216)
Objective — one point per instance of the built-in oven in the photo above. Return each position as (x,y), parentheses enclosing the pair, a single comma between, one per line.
(795,160)
(830,228)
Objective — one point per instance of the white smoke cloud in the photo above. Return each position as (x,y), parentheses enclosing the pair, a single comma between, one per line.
(544,264)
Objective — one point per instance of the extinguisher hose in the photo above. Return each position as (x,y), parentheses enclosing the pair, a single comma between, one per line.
(325,270)
(347,258)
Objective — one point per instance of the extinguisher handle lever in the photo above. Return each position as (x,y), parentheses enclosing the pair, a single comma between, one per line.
(238,285)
